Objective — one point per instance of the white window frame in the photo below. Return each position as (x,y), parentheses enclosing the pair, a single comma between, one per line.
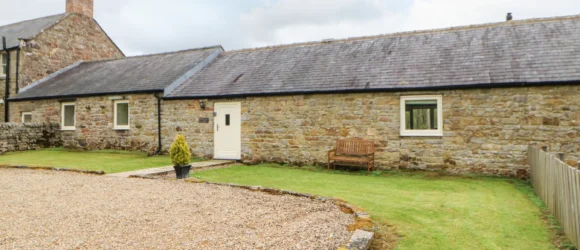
(2,56)
(121,127)
(62,126)
(417,132)
(26,113)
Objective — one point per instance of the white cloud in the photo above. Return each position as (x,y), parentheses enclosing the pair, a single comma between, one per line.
(428,14)
(291,21)
(151,26)
(300,20)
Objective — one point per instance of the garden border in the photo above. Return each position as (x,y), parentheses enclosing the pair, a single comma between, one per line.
(363,227)
(54,169)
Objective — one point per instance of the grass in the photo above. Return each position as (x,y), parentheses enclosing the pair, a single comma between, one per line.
(109,161)
(424,211)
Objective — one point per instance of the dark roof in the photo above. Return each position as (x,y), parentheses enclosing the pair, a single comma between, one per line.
(27,29)
(139,74)
(508,53)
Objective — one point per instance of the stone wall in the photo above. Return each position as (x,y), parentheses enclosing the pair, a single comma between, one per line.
(94,122)
(485,130)
(21,137)
(75,38)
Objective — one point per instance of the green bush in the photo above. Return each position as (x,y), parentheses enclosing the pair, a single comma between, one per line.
(179,151)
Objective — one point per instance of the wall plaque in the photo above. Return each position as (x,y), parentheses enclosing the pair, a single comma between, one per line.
(203,120)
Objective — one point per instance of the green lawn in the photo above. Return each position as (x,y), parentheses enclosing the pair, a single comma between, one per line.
(427,212)
(106,160)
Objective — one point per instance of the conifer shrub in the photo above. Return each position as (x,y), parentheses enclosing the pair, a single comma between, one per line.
(179,151)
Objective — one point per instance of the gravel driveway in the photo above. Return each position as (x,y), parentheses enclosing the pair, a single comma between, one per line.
(49,209)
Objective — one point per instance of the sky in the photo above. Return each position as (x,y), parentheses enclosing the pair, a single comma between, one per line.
(152,26)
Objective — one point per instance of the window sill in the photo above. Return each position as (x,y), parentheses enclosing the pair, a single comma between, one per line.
(121,129)
(68,129)
(422,134)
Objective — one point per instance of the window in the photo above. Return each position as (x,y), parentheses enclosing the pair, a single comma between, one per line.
(26,117)
(421,116)
(3,66)
(228,120)
(121,115)
(68,116)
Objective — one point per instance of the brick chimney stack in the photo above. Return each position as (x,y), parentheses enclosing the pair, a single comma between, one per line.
(83,7)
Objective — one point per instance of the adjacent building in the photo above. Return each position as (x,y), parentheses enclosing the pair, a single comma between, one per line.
(34,49)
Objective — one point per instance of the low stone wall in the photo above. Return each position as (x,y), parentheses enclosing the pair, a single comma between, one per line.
(21,137)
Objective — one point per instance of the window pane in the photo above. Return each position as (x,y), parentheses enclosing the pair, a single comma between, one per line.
(122,114)
(27,118)
(227,120)
(69,116)
(421,115)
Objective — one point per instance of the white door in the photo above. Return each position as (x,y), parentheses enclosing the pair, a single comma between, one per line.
(227,131)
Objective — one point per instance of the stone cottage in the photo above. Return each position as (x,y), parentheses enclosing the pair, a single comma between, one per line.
(464,99)
(36,48)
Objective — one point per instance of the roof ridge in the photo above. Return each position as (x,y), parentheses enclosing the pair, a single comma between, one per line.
(34,19)
(415,32)
(157,54)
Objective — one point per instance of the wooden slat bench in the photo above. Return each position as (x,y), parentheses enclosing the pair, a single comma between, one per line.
(351,152)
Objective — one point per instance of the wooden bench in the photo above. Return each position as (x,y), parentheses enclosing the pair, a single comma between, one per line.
(353,152)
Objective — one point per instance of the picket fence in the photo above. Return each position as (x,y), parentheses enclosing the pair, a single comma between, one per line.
(558,185)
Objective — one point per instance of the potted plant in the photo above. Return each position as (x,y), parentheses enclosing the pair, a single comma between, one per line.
(180,157)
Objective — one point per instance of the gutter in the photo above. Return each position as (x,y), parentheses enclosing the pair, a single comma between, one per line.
(150,91)
(399,89)
(7,89)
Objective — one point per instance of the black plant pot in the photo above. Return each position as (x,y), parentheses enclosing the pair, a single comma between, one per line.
(182,172)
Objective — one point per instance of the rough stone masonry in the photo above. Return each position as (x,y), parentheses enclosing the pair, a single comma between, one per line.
(485,130)
(22,137)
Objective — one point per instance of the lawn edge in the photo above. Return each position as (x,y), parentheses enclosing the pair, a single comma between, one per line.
(559,239)
(53,169)
(363,228)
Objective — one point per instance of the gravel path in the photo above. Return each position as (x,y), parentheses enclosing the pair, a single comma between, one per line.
(49,209)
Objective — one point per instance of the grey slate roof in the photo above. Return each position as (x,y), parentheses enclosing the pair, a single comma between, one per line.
(139,74)
(508,53)
(27,29)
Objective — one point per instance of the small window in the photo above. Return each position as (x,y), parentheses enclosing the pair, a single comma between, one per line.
(421,116)
(121,115)
(3,64)
(26,117)
(68,116)
(227,120)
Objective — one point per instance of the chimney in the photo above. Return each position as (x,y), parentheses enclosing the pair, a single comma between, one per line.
(509,17)
(83,7)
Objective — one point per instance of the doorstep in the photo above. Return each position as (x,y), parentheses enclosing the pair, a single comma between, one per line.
(165,170)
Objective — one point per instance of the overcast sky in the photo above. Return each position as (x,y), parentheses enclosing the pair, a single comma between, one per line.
(152,26)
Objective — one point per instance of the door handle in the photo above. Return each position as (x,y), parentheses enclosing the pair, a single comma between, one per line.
(218,127)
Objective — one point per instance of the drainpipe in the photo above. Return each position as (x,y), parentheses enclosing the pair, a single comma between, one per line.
(158,96)
(7,90)
(17,70)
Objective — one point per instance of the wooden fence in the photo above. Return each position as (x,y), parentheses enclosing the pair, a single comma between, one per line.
(558,185)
